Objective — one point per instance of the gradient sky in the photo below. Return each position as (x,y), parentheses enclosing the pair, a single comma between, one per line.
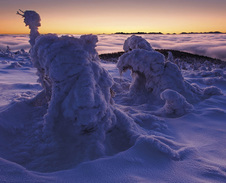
(103,16)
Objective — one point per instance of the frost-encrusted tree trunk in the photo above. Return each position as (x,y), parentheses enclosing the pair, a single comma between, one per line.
(81,117)
(32,20)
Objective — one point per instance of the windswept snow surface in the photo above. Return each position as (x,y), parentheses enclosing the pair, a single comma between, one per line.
(176,140)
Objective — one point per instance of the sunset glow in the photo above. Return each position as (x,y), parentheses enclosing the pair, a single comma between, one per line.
(98,16)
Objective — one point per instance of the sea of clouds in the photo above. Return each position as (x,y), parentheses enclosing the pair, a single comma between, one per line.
(212,45)
(15,42)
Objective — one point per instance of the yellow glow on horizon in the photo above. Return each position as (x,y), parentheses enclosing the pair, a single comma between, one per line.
(116,25)
(100,25)
(107,17)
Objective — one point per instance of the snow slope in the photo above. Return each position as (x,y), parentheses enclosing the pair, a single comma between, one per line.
(186,148)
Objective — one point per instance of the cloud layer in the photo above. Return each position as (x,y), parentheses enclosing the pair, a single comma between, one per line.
(212,45)
(15,42)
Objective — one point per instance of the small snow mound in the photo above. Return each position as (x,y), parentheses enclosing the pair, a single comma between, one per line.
(149,121)
(175,103)
(174,150)
(136,42)
(14,65)
(159,145)
(212,90)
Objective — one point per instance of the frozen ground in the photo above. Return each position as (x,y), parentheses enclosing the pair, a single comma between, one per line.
(177,148)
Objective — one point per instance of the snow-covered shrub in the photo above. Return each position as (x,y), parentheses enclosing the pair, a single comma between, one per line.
(7,53)
(208,65)
(150,72)
(136,42)
(175,103)
(152,75)
(214,73)
(79,88)
(196,65)
(79,85)
(170,57)
(203,68)
(218,72)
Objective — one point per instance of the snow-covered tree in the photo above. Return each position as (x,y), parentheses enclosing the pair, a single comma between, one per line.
(152,74)
(80,107)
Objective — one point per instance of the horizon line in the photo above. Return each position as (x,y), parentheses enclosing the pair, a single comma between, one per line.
(121,32)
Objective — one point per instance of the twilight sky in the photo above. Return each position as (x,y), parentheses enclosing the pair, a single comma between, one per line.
(105,16)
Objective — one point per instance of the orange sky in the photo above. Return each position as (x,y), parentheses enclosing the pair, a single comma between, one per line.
(102,16)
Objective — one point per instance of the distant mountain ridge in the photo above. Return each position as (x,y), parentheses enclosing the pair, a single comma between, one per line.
(211,32)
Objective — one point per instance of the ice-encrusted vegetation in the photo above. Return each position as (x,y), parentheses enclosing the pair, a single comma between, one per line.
(175,103)
(152,75)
